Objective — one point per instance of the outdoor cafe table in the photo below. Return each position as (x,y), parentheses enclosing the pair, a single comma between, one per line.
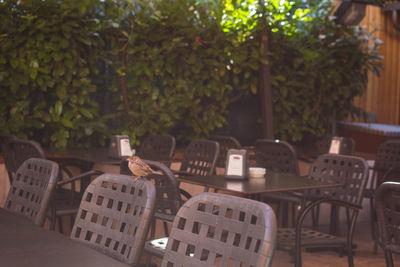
(253,187)
(24,244)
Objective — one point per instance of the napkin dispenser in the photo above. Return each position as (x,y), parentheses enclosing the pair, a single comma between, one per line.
(337,145)
(120,146)
(236,164)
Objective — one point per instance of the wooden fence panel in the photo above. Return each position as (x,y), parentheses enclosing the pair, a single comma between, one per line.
(383,93)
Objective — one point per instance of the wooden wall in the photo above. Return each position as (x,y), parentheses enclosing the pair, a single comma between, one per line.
(383,93)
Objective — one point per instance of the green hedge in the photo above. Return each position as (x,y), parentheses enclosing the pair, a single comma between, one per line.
(174,66)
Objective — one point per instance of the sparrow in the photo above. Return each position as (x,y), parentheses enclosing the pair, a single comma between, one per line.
(138,167)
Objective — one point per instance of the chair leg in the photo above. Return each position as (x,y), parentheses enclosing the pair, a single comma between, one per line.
(53,223)
(60,224)
(374,233)
(350,255)
(152,236)
(166,231)
(53,218)
(389,259)
(285,211)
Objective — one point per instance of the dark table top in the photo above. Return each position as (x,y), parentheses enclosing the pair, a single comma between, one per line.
(273,182)
(24,244)
(94,154)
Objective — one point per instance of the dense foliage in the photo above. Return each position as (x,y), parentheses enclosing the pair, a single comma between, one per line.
(318,69)
(173,66)
(48,61)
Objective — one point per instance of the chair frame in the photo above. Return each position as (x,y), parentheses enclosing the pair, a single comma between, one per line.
(199,158)
(32,189)
(353,173)
(387,200)
(18,150)
(225,143)
(279,156)
(276,155)
(229,229)
(115,215)
(387,161)
(156,147)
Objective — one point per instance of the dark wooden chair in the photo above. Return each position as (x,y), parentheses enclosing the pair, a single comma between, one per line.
(32,189)
(387,201)
(115,215)
(348,170)
(157,147)
(225,143)
(66,200)
(217,230)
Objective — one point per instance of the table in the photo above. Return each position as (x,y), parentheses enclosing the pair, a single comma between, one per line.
(91,155)
(24,244)
(368,136)
(273,182)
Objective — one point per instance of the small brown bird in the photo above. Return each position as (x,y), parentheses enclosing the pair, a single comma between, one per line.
(138,167)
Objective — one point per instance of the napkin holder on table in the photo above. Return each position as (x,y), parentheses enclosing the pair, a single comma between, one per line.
(236,164)
(120,146)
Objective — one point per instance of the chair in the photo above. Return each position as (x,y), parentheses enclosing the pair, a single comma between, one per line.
(169,198)
(387,201)
(157,147)
(278,156)
(114,216)
(66,200)
(225,143)
(211,228)
(387,160)
(5,151)
(199,158)
(32,188)
(348,170)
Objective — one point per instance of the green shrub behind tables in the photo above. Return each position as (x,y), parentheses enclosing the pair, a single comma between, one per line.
(47,63)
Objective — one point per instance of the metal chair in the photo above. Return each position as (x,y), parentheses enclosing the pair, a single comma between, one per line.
(199,158)
(114,216)
(387,160)
(32,188)
(348,170)
(169,197)
(225,143)
(387,201)
(66,200)
(157,147)
(4,149)
(221,230)
(278,156)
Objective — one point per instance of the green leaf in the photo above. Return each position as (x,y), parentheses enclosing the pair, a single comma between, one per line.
(58,108)
(67,123)
(85,112)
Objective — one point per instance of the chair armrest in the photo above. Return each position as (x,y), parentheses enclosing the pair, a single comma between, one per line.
(308,208)
(185,193)
(79,177)
(334,201)
(390,170)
